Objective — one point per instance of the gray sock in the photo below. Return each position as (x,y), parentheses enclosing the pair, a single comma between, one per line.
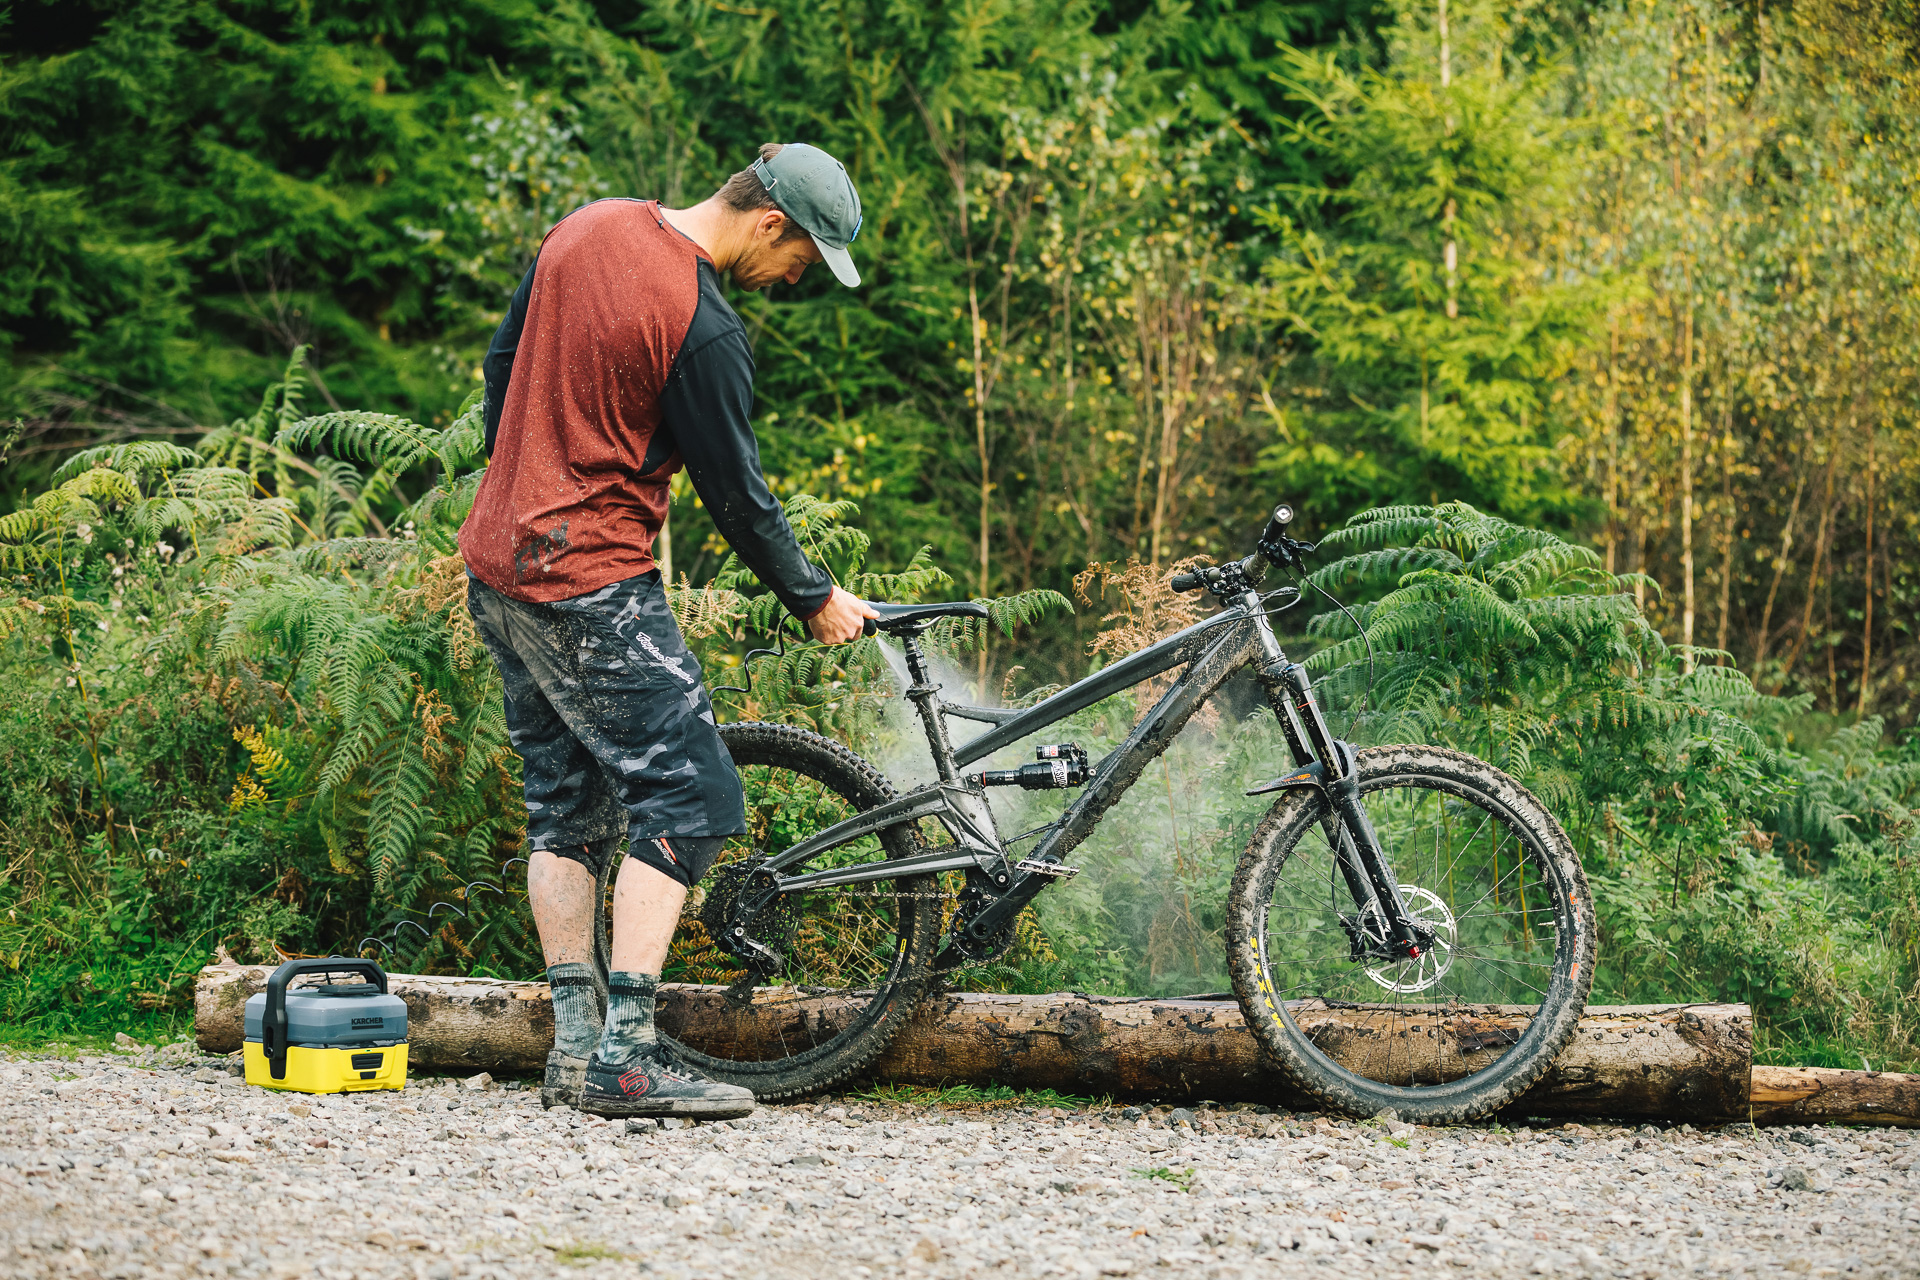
(629,1014)
(576,1016)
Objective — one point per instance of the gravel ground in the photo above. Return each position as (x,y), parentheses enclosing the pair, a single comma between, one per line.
(166,1164)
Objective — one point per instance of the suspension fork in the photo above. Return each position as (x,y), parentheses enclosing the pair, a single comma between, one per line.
(1356,846)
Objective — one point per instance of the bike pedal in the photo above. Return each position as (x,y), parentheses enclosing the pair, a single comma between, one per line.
(1036,867)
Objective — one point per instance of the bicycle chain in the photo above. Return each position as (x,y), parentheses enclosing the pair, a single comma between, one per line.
(943,974)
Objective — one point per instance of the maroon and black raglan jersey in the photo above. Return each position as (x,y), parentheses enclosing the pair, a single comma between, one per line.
(619,361)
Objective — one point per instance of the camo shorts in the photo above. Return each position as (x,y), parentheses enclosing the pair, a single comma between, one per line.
(616,735)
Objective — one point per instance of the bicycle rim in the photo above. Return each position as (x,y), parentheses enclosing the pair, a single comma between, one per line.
(1485,1003)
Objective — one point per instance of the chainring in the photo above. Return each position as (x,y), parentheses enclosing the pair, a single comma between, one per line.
(954,956)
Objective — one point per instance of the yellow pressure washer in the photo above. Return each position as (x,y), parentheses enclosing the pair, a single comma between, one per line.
(328,1038)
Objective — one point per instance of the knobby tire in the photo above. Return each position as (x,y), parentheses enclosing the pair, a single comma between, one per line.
(819,1066)
(1260,968)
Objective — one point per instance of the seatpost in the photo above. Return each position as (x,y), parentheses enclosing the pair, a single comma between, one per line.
(924,694)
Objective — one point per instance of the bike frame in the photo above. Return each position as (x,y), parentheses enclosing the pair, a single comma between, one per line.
(1212,651)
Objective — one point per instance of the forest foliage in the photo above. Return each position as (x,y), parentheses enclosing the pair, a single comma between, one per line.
(1588,326)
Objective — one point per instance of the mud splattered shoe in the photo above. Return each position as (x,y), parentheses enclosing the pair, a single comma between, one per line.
(652,1084)
(565,1075)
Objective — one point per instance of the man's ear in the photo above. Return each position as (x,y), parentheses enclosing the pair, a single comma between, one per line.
(770,225)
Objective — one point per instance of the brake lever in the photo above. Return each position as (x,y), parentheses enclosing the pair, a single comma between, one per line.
(1291,552)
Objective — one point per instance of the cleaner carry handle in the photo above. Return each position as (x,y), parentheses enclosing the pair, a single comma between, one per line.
(273,1022)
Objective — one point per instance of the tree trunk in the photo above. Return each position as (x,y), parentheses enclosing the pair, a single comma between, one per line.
(1613,442)
(1780,563)
(1678,1062)
(1813,580)
(1866,625)
(1686,485)
(1729,514)
(1450,253)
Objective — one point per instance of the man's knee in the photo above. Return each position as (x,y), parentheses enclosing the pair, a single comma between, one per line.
(593,855)
(684,858)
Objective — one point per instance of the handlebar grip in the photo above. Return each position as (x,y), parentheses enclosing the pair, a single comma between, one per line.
(1188,581)
(1278,522)
(869,626)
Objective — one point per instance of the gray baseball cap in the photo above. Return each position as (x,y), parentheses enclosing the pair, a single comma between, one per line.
(813,189)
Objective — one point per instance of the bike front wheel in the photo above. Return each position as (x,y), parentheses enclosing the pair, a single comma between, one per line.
(1474,1021)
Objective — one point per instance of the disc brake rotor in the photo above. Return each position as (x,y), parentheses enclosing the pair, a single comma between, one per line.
(1405,977)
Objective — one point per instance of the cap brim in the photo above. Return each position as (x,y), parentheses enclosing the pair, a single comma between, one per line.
(840,260)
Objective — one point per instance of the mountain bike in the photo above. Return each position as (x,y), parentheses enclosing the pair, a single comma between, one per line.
(1408,926)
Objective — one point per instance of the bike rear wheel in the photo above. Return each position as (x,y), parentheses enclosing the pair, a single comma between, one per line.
(1476,1020)
(855,958)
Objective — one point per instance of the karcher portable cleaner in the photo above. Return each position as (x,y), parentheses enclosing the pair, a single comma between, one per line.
(327,1038)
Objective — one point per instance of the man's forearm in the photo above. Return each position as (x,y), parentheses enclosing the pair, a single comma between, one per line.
(706,406)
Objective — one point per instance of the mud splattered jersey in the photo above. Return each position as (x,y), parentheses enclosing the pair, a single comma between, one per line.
(619,361)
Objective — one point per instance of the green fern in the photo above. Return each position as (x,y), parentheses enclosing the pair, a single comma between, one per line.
(828,685)
(1515,645)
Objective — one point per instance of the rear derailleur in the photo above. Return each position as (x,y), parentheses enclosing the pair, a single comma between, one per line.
(748,917)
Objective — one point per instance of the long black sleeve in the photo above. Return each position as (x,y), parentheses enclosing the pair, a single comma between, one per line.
(707,406)
(498,364)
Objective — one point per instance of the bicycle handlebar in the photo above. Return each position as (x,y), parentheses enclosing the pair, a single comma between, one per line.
(1274,536)
(1278,522)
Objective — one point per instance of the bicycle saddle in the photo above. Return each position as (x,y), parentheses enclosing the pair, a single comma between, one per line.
(897,618)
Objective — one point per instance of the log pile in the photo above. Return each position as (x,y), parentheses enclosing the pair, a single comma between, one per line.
(1674,1062)
(1669,1062)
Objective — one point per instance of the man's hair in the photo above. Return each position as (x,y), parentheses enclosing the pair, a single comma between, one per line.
(744,193)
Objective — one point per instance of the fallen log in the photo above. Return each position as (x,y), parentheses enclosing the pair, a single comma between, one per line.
(1822,1095)
(1676,1062)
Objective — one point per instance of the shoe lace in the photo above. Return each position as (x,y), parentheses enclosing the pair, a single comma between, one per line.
(664,1064)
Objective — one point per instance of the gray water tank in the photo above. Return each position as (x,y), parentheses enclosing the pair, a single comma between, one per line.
(335,1015)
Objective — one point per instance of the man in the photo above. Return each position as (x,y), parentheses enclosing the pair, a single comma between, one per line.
(619,362)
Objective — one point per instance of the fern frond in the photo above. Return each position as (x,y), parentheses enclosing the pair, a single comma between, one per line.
(142,458)
(1384,566)
(704,611)
(382,438)
(464,442)
(102,484)
(335,554)
(401,781)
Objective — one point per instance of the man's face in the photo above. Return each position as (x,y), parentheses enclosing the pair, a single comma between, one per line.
(770,259)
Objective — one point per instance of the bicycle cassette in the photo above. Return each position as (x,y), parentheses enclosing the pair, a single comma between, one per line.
(747,917)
